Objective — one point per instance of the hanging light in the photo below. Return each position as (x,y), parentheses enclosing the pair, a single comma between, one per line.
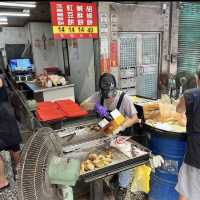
(24,13)
(3,23)
(18,4)
(3,19)
(164,8)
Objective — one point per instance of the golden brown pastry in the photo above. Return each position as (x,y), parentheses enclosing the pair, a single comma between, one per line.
(88,161)
(96,161)
(99,164)
(92,156)
(106,163)
(101,157)
(109,160)
(88,165)
(82,168)
(109,154)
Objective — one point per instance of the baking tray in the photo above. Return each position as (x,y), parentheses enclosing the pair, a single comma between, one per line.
(120,161)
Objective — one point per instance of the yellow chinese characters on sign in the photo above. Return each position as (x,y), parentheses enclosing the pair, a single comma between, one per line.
(75,29)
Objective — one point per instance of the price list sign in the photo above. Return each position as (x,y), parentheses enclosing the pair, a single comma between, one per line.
(74,20)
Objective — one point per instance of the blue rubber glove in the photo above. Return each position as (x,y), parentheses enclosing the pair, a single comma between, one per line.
(101,110)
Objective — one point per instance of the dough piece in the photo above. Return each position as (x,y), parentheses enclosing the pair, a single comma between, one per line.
(82,168)
(101,157)
(106,163)
(92,156)
(109,160)
(89,165)
(96,161)
(86,164)
(109,156)
(99,164)
(88,161)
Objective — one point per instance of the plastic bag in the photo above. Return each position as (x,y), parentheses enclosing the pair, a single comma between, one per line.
(141,179)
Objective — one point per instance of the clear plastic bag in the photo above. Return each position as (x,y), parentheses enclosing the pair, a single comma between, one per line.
(170,166)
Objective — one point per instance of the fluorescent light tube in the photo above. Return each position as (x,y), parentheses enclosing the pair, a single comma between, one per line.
(3,23)
(3,19)
(15,14)
(20,5)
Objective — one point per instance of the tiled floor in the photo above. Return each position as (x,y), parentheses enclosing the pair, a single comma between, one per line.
(11,192)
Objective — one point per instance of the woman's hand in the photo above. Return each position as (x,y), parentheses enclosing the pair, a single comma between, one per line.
(1,83)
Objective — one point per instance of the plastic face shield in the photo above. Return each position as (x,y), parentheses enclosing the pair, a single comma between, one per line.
(108,93)
(108,88)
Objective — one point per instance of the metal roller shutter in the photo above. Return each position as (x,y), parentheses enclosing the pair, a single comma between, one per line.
(189,37)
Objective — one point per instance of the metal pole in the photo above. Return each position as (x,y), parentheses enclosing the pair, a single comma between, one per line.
(170,34)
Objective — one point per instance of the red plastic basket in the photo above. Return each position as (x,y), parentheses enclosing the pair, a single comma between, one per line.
(46,105)
(71,109)
(48,111)
(58,110)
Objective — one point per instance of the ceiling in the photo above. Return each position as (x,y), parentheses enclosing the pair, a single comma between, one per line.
(39,14)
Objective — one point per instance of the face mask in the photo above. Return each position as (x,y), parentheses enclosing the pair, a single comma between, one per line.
(108,93)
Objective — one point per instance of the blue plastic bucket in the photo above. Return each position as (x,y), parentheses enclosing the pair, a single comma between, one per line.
(172,148)
(162,189)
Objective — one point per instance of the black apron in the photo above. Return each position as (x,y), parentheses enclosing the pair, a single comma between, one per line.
(192,155)
(9,131)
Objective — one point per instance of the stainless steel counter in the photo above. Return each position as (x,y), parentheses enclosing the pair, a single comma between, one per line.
(52,93)
(36,88)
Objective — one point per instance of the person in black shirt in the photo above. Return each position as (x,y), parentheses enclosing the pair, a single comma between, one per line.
(9,133)
(188,184)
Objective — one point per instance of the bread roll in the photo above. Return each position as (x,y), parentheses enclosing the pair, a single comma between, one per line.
(82,168)
(99,164)
(106,163)
(109,160)
(101,157)
(92,156)
(89,166)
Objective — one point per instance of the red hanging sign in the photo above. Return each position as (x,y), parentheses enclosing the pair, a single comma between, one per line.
(74,20)
(105,64)
(113,54)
